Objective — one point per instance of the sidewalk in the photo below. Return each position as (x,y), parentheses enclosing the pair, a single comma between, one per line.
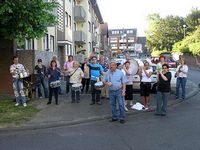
(67,113)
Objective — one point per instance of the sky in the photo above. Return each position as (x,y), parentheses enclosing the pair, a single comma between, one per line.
(121,14)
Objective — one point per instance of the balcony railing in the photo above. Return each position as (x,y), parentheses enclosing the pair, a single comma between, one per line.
(79,37)
(94,38)
(79,14)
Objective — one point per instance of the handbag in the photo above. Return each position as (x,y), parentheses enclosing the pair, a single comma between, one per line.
(67,78)
(55,84)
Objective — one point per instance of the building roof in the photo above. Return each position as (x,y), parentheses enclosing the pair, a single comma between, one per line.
(97,11)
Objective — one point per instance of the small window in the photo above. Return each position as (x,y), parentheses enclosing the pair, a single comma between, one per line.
(70,21)
(52,43)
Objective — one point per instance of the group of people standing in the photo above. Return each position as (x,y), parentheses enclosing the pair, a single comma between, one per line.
(116,79)
(18,71)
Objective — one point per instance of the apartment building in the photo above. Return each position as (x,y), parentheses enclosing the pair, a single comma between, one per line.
(122,40)
(78,31)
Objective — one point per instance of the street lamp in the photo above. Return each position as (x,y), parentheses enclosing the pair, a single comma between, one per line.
(184,29)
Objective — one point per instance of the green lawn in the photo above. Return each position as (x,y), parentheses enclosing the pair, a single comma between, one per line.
(10,115)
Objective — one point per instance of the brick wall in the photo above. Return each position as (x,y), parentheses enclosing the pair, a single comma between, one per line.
(191,62)
(29,58)
(7,50)
(26,57)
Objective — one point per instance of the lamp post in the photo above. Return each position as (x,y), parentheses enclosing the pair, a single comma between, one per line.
(184,29)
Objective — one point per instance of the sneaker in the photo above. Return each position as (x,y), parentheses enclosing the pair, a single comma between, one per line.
(17,104)
(113,120)
(40,97)
(145,108)
(125,108)
(122,121)
(157,114)
(24,104)
(99,103)
(48,103)
(163,114)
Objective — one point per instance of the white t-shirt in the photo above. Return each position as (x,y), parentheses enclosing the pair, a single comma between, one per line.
(75,78)
(129,77)
(183,70)
(16,69)
(144,76)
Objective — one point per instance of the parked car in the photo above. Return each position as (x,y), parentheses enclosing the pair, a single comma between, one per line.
(169,59)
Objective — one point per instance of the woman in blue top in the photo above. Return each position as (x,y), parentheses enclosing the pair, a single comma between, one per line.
(54,74)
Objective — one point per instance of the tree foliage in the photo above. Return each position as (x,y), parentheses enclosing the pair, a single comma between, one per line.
(192,20)
(20,19)
(168,32)
(190,44)
(164,32)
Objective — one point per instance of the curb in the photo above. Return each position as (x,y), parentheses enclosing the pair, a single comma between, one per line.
(93,118)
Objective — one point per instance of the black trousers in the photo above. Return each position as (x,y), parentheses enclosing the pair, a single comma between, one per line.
(85,84)
(55,91)
(95,93)
(129,92)
(67,78)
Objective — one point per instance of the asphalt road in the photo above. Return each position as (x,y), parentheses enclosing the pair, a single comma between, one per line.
(179,130)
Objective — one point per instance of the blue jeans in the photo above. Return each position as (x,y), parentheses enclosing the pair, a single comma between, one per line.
(180,82)
(115,97)
(161,99)
(18,90)
(42,83)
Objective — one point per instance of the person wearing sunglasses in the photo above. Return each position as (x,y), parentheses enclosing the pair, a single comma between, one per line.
(163,90)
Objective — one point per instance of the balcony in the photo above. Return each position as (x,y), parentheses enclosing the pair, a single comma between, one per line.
(79,14)
(95,24)
(79,37)
(94,38)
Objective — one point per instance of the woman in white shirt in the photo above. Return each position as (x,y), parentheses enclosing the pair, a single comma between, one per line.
(129,84)
(76,75)
(181,74)
(145,73)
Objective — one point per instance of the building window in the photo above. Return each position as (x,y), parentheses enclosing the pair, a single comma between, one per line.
(90,46)
(68,49)
(89,5)
(29,44)
(93,28)
(45,42)
(75,27)
(60,11)
(89,24)
(66,19)
(70,21)
(52,43)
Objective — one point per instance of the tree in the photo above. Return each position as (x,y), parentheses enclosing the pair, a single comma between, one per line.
(190,44)
(164,32)
(192,20)
(20,19)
